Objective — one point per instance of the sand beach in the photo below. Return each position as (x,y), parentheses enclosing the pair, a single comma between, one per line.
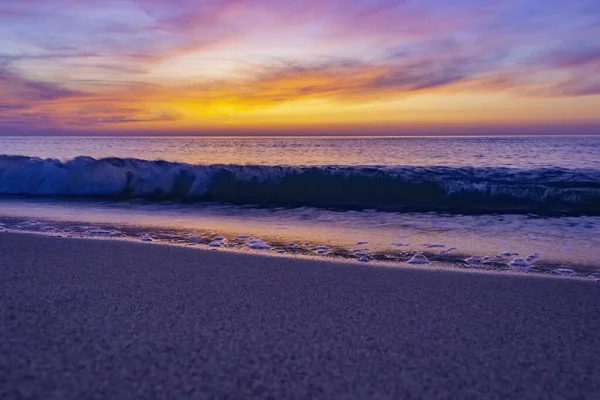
(100,319)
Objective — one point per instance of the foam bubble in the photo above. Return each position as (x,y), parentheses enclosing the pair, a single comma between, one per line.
(507,254)
(563,271)
(433,245)
(219,238)
(320,248)
(280,251)
(446,251)
(418,259)
(28,223)
(257,244)
(101,232)
(364,259)
(292,245)
(216,244)
(242,237)
(400,244)
(520,262)
(474,260)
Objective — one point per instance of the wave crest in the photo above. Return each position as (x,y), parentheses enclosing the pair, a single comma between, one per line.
(443,189)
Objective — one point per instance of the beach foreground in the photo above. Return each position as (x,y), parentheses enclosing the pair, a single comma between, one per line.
(105,319)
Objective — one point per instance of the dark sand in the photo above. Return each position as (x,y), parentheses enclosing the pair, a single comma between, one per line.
(85,319)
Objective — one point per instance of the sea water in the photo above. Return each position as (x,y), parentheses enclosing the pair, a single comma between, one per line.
(449,198)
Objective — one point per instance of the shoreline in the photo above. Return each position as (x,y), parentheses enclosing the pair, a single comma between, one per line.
(434,265)
(116,319)
(545,244)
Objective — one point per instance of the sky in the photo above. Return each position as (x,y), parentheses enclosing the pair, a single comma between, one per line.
(299,66)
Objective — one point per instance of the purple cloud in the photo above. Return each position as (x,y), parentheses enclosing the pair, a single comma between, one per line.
(109,52)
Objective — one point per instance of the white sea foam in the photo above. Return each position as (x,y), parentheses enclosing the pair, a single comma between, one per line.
(257,244)
(321,249)
(446,251)
(27,223)
(218,241)
(563,271)
(520,262)
(418,259)
(474,260)
(317,248)
(101,232)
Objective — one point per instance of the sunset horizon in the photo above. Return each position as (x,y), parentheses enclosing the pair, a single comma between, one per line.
(301,67)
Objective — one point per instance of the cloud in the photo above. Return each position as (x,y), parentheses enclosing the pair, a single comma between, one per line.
(12,106)
(97,61)
(139,116)
(571,56)
(16,87)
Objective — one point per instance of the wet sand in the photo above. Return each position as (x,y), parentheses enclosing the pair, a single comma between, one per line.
(91,319)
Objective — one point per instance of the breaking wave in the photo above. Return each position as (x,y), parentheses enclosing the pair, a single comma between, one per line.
(443,189)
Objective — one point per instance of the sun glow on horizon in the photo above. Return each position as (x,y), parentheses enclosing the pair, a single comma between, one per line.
(303,66)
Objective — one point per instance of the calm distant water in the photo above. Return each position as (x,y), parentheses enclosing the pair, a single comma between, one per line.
(519,152)
(369,198)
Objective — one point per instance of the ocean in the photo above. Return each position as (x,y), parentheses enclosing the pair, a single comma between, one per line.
(502,203)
